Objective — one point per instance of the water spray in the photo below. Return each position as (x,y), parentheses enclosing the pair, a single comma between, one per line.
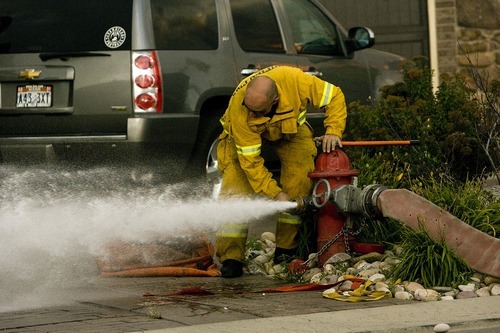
(54,223)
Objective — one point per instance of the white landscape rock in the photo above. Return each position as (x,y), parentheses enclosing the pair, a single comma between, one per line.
(329,279)
(432,295)
(312,260)
(475,278)
(362,265)
(278,268)
(338,257)
(466,294)
(329,291)
(310,273)
(404,295)
(399,287)
(495,290)
(426,295)
(261,259)
(439,328)
(329,268)
(413,286)
(467,287)
(447,298)
(316,278)
(392,261)
(268,266)
(365,274)
(377,277)
(344,286)
(351,271)
(270,244)
(381,286)
(268,236)
(483,292)
(452,293)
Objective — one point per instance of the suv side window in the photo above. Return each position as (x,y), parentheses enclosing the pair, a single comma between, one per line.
(185,25)
(256,26)
(313,32)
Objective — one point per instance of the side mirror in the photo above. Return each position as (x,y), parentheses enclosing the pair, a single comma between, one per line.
(360,38)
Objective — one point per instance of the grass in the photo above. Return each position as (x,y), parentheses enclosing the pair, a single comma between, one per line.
(429,262)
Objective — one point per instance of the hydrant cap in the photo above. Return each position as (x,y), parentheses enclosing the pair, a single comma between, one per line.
(335,163)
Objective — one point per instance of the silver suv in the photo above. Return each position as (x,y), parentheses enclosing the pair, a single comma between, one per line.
(142,83)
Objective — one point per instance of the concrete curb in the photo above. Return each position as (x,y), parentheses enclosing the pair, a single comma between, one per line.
(420,316)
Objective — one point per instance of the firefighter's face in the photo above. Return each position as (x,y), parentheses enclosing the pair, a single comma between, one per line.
(259,107)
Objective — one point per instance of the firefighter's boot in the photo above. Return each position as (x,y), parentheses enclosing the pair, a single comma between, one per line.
(231,268)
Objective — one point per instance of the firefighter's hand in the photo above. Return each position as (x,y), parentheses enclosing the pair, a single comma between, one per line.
(329,141)
(282,196)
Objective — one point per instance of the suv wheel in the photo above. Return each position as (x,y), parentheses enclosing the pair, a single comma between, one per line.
(203,161)
(214,177)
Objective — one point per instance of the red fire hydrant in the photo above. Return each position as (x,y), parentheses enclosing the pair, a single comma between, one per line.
(335,168)
(335,194)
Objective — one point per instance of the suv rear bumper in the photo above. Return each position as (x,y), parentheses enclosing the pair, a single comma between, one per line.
(147,139)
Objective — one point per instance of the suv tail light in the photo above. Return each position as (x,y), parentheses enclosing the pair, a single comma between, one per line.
(146,77)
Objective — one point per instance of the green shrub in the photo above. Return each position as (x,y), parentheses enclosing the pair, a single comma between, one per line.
(468,201)
(429,262)
(445,123)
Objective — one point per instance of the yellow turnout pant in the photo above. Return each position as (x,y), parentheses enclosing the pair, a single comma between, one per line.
(296,154)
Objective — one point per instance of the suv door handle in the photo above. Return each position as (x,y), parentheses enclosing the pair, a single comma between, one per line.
(314,72)
(249,70)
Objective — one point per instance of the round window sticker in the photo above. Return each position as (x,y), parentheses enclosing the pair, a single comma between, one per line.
(115,37)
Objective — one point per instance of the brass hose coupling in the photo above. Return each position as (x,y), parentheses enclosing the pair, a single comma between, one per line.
(304,205)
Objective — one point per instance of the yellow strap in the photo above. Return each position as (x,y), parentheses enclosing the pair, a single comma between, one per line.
(302,117)
(358,295)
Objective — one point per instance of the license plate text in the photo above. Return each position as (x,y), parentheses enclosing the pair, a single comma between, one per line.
(34,96)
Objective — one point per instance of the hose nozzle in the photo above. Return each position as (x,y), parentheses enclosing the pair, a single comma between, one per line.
(304,205)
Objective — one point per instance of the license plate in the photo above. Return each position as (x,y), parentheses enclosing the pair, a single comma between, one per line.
(34,96)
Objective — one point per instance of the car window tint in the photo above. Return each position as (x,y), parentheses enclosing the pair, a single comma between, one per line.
(256,26)
(185,25)
(55,26)
(313,32)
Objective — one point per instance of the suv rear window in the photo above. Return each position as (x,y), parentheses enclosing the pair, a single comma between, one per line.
(55,26)
(185,25)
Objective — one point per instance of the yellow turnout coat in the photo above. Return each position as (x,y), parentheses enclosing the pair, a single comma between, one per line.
(244,135)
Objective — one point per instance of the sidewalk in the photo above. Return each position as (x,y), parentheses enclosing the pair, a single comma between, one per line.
(236,305)
(473,315)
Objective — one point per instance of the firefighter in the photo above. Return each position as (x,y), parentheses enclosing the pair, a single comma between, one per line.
(269,107)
